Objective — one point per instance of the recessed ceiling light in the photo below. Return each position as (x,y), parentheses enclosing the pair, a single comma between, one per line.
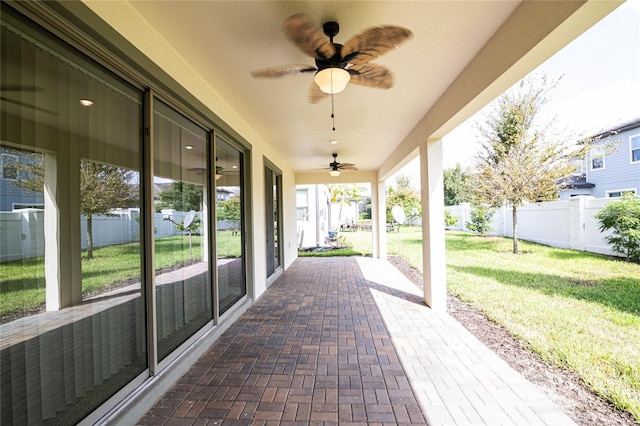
(188,147)
(333,142)
(86,102)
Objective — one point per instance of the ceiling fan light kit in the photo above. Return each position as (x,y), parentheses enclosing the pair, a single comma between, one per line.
(338,64)
(332,80)
(334,173)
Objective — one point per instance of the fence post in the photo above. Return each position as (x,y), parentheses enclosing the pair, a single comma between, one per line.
(577,222)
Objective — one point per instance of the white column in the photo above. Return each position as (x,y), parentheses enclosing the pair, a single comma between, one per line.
(433,245)
(63,270)
(378,219)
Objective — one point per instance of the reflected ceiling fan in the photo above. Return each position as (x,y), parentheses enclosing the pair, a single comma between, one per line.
(336,168)
(337,64)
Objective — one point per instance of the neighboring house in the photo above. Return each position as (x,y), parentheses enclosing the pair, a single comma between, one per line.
(319,211)
(312,215)
(612,166)
(12,197)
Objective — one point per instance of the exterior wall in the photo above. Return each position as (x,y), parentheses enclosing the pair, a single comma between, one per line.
(10,194)
(619,172)
(312,231)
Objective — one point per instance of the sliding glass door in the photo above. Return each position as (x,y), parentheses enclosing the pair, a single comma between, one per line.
(273,209)
(230,224)
(183,289)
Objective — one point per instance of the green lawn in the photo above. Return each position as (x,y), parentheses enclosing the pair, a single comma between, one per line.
(577,310)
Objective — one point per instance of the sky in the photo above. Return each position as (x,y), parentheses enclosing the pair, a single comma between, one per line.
(600,85)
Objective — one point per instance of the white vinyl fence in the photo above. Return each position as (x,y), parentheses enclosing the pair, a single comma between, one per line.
(22,231)
(565,224)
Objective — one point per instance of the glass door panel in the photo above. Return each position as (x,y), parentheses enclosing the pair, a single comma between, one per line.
(230,224)
(272,181)
(72,323)
(183,290)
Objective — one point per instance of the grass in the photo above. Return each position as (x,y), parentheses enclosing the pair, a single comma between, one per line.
(577,310)
(22,282)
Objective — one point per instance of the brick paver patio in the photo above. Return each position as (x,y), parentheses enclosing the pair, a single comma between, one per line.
(350,341)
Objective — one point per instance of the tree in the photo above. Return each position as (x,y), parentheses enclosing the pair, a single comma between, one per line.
(481,219)
(344,194)
(230,210)
(520,161)
(102,188)
(457,186)
(450,220)
(182,196)
(402,195)
(623,218)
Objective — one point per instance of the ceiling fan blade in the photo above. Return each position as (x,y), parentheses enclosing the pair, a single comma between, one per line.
(371,75)
(282,71)
(315,94)
(348,167)
(19,88)
(308,37)
(345,165)
(373,43)
(27,105)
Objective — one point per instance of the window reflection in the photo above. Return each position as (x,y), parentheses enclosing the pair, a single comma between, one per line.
(183,290)
(229,214)
(73,325)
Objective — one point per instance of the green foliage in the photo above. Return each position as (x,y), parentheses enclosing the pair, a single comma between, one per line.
(402,195)
(230,210)
(449,219)
(365,212)
(480,219)
(623,219)
(521,161)
(457,186)
(182,196)
(193,228)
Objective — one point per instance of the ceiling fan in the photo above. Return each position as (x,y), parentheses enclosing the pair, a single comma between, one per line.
(336,168)
(337,64)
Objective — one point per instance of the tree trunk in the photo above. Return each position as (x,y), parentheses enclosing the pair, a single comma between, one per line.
(515,228)
(89,237)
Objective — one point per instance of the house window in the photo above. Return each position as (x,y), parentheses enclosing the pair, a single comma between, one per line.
(8,169)
(621,192)
(597,158)
(634,141)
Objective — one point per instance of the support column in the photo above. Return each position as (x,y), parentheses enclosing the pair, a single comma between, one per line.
(378,219)
(433,244)
(63,270)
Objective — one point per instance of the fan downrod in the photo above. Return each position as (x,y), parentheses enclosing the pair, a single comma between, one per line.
(331,29)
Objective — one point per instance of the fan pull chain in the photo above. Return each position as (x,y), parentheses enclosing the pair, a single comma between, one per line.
(333,118)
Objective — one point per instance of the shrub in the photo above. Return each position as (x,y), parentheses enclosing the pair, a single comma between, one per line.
(623,218)
(450,220)
(480,219)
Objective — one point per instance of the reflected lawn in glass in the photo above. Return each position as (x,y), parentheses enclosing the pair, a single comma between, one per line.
(22,284)
(229,245)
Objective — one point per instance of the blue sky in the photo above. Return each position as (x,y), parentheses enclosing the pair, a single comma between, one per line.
(600,85)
